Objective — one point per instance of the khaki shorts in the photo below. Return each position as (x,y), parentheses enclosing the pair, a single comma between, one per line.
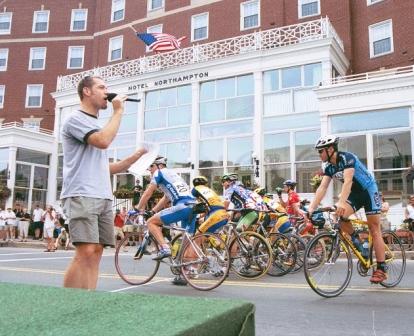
(90,220)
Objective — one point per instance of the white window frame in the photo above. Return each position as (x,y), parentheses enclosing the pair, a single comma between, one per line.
(10,15)
(242,16)
(114,8)
(35,13)
(112,41)
(304,2)
(5,52)
(151,8)
(193,18)
(71,49)
(373,2)
(32,50)
(371,41)
(72,19)
(28,88)
(2,94)
(153,29)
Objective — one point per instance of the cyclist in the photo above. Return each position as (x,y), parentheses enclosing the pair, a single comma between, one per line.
(292,205)
(278,216)
(177,192)
(242,198)
(217,215)
(359,190)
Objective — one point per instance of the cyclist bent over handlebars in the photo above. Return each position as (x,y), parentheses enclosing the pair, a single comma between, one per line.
(359,190)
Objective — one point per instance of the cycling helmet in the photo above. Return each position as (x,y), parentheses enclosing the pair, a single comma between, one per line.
(200,180)
(160,160)
(327,141)
(290,183)
(230,177)
(318,220)
(260,191)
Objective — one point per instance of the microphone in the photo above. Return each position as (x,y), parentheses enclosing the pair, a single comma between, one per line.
(111,96)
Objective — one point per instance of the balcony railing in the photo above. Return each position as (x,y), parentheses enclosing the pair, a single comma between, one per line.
(29,128)
(373,75)
(263,40)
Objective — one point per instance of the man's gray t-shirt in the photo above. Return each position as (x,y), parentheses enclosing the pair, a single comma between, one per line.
(85,167)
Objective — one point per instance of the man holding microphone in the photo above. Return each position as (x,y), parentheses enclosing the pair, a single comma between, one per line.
(86,191)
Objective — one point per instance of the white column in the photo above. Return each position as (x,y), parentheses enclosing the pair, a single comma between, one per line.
(194,133)
(11,181)
(326,70)
(51,196)
(257,127)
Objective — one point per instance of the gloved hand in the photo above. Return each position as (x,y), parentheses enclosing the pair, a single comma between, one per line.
(279,191)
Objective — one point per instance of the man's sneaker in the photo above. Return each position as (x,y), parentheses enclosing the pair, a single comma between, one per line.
(179,281)
(378,276)
(163,253)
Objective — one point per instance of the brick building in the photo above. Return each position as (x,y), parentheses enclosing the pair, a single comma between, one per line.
(276,52)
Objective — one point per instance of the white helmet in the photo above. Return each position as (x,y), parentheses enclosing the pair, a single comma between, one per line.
(160,160)
(326,141)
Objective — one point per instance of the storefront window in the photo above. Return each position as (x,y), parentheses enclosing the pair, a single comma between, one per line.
(245,174)
(239,151)
(211,153)
(355,144)
(22,175)
(305,145)
(291,77)
(40,177)
(214,177)
(276,148)
(304,173)
(276,175)
(26,155)
(392,150)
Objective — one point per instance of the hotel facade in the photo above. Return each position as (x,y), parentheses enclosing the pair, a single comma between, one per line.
(252,88)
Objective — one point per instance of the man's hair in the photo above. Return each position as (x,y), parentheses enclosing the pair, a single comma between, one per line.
(86,81)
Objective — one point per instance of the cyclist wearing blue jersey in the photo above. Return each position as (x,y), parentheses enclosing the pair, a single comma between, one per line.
(359,190)
(177,192)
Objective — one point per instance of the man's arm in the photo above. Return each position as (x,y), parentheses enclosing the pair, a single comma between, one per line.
(320,193)
(104,137)
(123,165)
(345,191)
(146,196)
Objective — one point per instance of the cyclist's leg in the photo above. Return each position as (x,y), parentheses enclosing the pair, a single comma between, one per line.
(154,226)
(214,221)
(247,220)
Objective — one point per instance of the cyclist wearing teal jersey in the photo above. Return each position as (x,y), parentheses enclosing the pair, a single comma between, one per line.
(359,190)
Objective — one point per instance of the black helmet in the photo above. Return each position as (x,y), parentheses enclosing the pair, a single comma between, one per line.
(318,220)
(327,141)
(200,180)
(290,183)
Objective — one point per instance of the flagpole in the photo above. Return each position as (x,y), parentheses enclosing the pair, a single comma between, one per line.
(133,29)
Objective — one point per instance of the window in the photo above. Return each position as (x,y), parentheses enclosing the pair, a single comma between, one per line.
(5,23)
(199,27)
(78,19)
(380,39)
(34,95)
(153,29)
(155,4)
(2,89)
(115,48)
(308,8)
(37,58)
(118,10)
(40,22)
(75,57)
(372,2)
(249,14)
(4,55)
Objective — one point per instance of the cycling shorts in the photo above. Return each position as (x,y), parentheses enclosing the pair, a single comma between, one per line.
(181,212)
(368,199)
(214,221)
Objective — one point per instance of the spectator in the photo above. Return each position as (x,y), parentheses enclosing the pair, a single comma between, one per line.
(60,234)
(19,215)
(409,216)
(119,221)
(10,224)
(385,207)
(24,225)
(38,222)
(49,219)
(2,224)
(137,194)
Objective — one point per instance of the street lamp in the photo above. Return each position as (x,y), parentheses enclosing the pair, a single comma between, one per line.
(256,165)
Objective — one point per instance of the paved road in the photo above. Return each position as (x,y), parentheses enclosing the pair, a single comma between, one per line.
(284,306)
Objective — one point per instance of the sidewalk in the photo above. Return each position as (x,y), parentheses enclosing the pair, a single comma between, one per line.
(30,243)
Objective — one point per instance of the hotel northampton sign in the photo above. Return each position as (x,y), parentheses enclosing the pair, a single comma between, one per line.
(167,81)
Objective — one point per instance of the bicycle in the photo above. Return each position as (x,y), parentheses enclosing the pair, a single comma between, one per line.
(328,260)
(203,259)
(250,253)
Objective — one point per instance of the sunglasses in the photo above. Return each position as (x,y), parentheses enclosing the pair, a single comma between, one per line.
(321,150)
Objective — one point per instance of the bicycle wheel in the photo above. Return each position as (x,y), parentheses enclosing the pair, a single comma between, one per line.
(133,268)
(327,265)
(395,259)
(283,254)
(205,261)
(300,246)
(250,254)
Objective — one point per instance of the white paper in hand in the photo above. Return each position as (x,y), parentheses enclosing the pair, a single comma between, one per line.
(139,167)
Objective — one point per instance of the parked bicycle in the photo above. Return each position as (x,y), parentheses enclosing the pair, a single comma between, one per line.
(328,260)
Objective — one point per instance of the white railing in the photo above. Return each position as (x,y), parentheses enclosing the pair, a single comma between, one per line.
(21,125)
(263,40)
(380,74)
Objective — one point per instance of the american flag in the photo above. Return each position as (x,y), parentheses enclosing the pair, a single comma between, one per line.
(160,42)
